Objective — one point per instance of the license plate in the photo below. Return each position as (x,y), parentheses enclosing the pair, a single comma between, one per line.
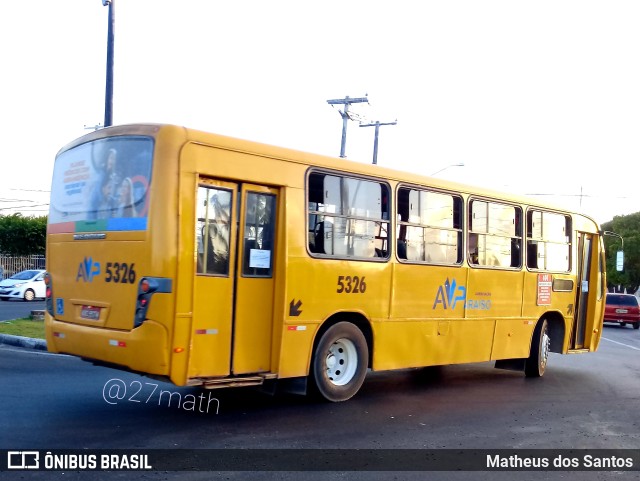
(621,311)
(89,312)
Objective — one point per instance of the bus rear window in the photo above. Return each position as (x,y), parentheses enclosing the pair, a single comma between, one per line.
(102,186)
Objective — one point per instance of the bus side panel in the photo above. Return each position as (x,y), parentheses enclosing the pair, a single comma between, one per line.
(535,304)
(297,345)
(318,289)
(403,344)
(427,325)
(512,339)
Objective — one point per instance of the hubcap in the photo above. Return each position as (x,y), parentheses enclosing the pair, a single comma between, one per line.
(544,348)
(341,362)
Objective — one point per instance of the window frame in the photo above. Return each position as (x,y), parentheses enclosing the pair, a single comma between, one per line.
(543,240)
(381,221)
(401,224)
(517,231)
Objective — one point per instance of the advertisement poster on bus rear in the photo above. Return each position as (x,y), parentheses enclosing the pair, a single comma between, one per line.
(102,186)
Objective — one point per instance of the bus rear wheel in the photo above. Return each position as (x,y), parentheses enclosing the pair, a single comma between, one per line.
(536,363)
(339,363)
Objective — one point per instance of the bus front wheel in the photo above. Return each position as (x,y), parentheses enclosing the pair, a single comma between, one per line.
(340,362)
(536,363)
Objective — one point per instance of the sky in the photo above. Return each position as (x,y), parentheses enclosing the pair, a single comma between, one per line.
(537,98)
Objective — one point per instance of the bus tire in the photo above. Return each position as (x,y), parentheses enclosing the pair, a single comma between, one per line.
(339,363)
(536,363)
(636,325)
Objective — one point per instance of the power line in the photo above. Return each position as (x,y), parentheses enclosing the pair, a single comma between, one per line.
(31,190)
(23,206)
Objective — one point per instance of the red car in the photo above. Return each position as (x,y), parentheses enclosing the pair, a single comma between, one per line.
(623,309)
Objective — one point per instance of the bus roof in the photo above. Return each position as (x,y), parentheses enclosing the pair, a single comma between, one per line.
(315,160)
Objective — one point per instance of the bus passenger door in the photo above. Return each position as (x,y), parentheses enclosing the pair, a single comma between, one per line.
(252,331)
(585,247)
(216,234)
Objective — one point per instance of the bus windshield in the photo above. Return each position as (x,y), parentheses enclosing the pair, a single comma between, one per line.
(102,186)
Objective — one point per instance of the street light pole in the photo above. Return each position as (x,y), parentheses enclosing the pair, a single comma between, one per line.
(108,95)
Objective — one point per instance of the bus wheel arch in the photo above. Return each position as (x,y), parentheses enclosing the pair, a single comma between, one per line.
(556,327)
(341,356)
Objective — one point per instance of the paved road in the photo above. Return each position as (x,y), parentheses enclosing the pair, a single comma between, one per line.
(584,401)
(18,309)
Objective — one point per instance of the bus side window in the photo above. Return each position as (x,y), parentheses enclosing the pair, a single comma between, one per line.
(402,219)
(316,207)
(473,248)
(318,235)
(402,249)
(515,252)
(212,234)
(532,255)
(248,245)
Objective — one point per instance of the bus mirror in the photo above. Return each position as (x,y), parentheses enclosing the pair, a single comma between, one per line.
(620,261)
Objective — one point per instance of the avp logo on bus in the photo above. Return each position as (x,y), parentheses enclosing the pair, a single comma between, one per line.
(449,294)
(446,294)
(88,269)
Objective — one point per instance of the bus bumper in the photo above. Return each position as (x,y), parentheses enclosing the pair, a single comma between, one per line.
(144,349)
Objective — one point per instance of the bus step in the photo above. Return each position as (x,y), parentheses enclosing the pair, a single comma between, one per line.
(216,383)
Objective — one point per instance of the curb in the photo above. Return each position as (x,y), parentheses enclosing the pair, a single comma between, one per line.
(22,341)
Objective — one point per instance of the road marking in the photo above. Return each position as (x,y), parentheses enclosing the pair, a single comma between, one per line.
(622,344)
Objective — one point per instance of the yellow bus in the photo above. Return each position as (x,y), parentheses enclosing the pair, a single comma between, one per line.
(215,262)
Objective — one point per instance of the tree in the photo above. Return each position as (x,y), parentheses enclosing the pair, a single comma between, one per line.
(21,236)
(627,226)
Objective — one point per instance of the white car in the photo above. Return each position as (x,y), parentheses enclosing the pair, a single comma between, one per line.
(27,285)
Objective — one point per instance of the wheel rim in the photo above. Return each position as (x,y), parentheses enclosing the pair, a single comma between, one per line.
(544,348)
(29,295)
(341,362)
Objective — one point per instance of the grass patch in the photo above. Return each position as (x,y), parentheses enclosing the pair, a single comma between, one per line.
(23,327)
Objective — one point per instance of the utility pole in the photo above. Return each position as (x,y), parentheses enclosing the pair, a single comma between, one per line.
(108,95)
(346,116)
(377,125)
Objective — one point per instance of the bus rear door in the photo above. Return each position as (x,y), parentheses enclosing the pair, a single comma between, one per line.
(233,288)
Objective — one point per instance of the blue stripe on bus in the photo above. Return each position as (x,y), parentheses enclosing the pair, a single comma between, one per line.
(127,223)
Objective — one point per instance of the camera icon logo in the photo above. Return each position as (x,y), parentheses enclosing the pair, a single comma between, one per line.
(23,460)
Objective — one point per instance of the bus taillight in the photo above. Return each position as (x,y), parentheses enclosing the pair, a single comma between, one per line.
(147,287)
(48,293)
(145,291)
